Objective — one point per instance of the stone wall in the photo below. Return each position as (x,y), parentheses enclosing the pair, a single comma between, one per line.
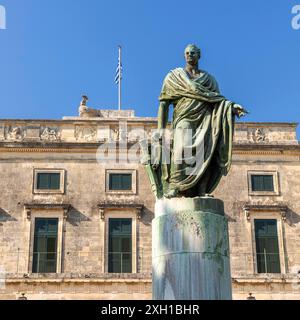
(71,144)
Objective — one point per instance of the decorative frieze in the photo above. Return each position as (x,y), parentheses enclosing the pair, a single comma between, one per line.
(103,134)
(14,133)
(119,134)
(50,134)
(258,135)
(32,132)
(2,133)
(85,133)
(131,131)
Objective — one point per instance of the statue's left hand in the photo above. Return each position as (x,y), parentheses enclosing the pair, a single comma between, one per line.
(239,111)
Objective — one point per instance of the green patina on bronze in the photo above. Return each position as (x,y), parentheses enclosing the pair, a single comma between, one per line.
(200,108)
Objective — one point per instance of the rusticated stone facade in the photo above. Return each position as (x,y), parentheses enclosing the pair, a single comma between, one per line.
(83,204)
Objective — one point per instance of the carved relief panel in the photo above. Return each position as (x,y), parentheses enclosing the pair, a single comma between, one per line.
(258,135)
(85,133)
(50,134)
(14,133)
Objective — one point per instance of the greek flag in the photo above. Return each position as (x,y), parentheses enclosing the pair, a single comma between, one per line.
(119,71)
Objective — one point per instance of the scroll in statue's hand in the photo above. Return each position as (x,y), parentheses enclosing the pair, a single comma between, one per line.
(156,156)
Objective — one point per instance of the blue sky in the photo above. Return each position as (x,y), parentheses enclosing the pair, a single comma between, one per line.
(54,50)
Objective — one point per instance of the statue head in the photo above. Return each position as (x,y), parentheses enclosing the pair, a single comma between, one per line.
(84,100)
(192,54)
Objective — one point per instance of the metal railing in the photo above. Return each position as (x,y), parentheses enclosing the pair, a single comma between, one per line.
(119,262)
(42,263)
(97,261)
(268,262)
(73,261)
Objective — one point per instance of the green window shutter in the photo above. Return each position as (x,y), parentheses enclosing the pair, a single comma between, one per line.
(268,183)
(48,181)
(267,247)
(45,245)
(262,182)
(42,181)
(54,181)
(120,181)
(120,246)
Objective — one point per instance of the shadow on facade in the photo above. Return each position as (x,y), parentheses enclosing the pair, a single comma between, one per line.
(292,218)
(148,216)
(5,216)
(75,217)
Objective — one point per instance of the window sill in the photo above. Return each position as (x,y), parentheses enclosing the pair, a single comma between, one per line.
(58,191)
(126,192)
(264,193)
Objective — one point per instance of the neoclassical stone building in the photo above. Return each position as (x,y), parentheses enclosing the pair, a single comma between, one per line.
(75,217)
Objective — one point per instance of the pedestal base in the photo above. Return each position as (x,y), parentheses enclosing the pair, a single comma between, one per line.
(190,250)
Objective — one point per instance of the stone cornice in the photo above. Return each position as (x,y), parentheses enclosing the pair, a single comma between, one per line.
(28,207)
(281,278)
(67,147)
(61,147)
(102,206)
(72,120)
(47,206)
(137,278)
(266,149)
(51,145)
(265,146)
(282,208)
(77,120)
(89,281)
(82,278)
(267,124)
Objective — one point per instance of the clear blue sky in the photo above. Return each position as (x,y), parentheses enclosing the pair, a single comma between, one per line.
(54,50)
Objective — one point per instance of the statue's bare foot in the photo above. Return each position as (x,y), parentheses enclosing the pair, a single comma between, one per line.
(172,193)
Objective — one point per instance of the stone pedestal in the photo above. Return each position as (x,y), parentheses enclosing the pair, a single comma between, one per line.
(190,250)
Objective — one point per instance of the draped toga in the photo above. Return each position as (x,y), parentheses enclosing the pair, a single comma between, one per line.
(198,106)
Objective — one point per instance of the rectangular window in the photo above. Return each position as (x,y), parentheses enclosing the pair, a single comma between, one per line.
(48,181)
(262,182)
(120,246)
(120,181)
(267,248)
(45,245)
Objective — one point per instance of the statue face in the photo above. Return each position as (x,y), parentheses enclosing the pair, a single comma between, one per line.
(191,55)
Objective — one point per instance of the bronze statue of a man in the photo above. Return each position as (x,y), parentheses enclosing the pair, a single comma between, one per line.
(208,117)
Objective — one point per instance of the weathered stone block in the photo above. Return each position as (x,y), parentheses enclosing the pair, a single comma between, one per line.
(190,250)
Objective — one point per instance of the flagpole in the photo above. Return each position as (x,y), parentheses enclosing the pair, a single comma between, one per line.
(120,77)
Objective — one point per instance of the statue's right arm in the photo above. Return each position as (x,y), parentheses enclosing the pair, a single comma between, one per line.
(163,114)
